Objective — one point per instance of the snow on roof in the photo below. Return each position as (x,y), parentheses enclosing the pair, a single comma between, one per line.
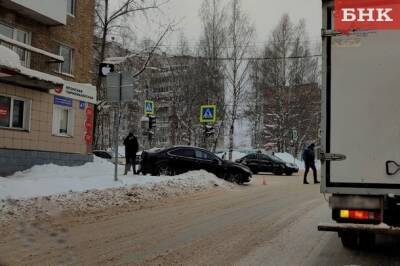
(31,48)
(10,59)
(40,75)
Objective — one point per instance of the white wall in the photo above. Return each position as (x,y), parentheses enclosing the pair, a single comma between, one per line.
(54,10)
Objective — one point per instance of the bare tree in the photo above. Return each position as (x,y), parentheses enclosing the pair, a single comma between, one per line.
(254,111)
(110,18)
(211,47)
(241,34)
(289,84)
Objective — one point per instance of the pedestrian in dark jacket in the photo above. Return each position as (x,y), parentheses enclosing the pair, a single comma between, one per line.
(309,160)
(131,148)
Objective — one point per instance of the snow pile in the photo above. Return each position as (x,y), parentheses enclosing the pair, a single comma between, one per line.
(9,58)
(50,189)
(93,201)
(287,157)
(46,180)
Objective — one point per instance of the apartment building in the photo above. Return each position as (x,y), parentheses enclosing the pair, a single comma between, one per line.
(46,99)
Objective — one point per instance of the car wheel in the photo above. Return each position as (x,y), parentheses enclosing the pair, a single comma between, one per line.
(165,170)
(233,178)
(349,239)
(278,172)
(254,171)
(367,240)
(289,173)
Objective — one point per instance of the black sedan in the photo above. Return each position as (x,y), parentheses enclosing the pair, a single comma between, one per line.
(181,159)
(258,162)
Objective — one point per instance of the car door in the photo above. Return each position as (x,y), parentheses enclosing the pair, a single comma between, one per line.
(266,163)
(252,162)
(182,160)
(209,162)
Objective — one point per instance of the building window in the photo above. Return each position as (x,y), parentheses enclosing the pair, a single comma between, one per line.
(14,112)
(63,121)
(66,66)
(18,35)
(71,7)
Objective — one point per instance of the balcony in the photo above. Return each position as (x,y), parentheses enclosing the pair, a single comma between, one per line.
(48,12)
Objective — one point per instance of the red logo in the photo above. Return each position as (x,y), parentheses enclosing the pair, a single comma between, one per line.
(351,15)
(58,90)
(88,125)
(89,112)
(88,138)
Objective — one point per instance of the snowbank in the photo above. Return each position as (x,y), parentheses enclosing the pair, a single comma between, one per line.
(95,201)
(287,157)
(47,180)
(51,190)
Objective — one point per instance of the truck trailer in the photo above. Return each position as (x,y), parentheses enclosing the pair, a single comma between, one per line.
(360,131)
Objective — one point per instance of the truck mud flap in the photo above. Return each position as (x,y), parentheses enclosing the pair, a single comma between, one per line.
(381,229)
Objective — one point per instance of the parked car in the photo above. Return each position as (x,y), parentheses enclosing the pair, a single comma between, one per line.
(258,162)
(181,159)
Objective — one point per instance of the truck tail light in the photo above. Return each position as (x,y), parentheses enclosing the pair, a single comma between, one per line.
(361,215)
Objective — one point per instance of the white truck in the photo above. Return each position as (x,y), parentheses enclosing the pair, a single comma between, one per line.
(360,149)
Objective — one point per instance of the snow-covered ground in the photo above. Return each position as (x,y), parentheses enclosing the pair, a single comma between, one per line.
(49,189)
(47,180)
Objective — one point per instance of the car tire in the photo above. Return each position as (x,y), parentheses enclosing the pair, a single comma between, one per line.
(165,170)
(233,178)
(278,172)
(289,173)
(367,241)
(349,240)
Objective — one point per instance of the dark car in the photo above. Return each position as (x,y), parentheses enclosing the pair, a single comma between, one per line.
(181,159)
(258,162)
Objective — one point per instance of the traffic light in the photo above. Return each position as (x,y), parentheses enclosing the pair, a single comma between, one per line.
(152,122)
(209,130)
(105,69)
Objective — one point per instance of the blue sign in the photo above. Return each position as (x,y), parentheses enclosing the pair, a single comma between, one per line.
(58,100)
(82,105)
(208,114)
(149,107)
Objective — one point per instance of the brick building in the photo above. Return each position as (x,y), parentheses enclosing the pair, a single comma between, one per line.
(46,100)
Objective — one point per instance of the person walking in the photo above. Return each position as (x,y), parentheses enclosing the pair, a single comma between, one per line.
(309,160)
(131,148)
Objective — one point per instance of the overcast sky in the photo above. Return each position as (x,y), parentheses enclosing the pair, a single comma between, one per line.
(265,15)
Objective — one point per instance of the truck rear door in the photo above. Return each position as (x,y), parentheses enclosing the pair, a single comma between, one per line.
(362,108)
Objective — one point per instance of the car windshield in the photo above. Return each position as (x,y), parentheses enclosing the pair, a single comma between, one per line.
(275,158)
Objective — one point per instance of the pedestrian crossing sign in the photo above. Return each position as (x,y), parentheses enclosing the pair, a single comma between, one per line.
(208,114)
(149,107)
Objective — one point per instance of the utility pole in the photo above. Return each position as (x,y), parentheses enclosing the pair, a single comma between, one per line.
(117,116)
